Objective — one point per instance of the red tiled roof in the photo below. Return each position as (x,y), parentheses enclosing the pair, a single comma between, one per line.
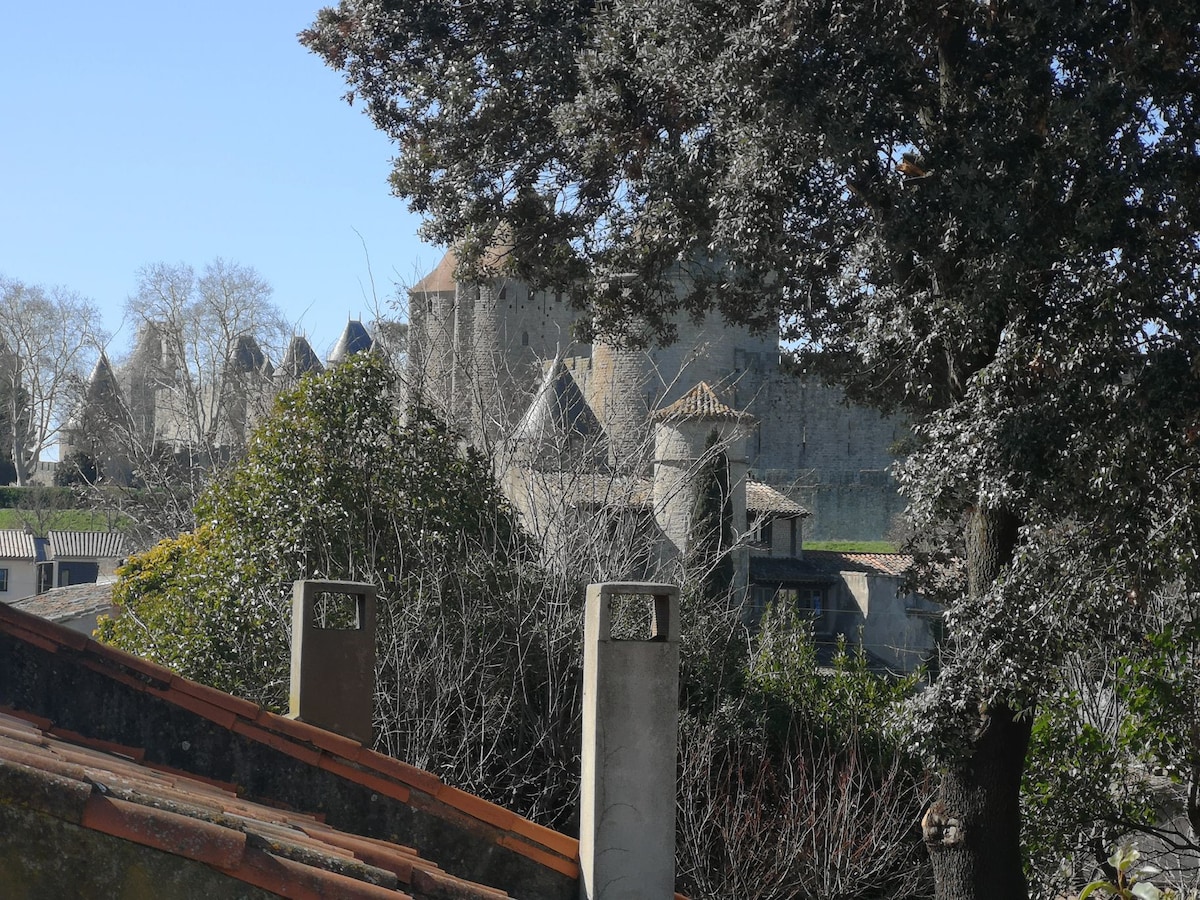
(895,564)
(230,844)
(441,279)
(764,498)
(108,788)
(700,402)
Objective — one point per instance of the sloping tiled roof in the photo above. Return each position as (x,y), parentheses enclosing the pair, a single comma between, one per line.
(764,498)
(123,706)
(701,402)
(16,544)
(825,565)
(110,789)
(71,601)
(86,544)
(894,564)
(441,279)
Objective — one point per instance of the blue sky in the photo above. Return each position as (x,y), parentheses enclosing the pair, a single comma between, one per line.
(139,132)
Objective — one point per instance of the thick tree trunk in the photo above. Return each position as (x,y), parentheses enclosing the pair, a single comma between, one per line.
(973,827)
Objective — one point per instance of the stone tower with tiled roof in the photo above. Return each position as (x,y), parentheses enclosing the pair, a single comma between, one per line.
(477,352)
(475,349)
(686,434)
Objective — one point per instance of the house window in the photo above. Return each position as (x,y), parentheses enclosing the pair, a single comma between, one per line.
(761,531)
(806,601)
(45,577)
(3,579)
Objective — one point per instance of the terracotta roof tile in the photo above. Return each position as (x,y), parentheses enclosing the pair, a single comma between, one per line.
(701,402)
(894,564)
(286,852)
(764,498)
(121,773)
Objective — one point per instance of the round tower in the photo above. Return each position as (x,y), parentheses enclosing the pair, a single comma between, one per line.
(686,434)
(618,390)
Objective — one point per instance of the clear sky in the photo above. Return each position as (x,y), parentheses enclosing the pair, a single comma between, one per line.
(135,132)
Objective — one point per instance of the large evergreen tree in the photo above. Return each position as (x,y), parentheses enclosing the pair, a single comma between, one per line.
(983,213)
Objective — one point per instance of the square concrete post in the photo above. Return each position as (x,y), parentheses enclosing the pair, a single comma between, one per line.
(333,669)
(630,712)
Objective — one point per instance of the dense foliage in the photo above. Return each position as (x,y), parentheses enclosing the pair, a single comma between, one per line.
(479,649)
(335,485)
(984,213)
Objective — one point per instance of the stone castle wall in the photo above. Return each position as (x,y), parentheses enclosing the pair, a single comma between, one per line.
(830,457)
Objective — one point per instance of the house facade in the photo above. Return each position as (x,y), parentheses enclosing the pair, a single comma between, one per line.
(32,565)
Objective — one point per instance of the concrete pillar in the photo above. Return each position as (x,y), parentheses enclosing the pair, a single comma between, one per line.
(333,664)
(630,712)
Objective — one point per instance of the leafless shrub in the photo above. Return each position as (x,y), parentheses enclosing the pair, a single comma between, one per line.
(811,819)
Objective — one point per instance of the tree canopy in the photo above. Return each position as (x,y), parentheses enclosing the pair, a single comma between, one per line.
(982,213)
(47,336)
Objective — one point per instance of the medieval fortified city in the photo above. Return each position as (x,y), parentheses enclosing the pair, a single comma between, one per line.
(661,449)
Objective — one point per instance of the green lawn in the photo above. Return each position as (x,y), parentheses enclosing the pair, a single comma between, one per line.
(852,546)
(54,520)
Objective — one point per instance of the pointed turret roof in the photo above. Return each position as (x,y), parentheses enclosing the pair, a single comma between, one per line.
(246,355)
(102,382)
(701,402)
(101,397)
(558,420)
(300,359)
(355,339)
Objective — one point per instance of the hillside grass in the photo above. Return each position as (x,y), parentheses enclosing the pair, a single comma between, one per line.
(852,546)
(54,520)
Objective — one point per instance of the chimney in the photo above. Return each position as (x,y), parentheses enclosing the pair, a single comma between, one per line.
(333,656)
(630,711)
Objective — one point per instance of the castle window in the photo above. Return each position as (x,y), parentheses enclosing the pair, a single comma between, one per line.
(3,579)
(503,293)
(524,338)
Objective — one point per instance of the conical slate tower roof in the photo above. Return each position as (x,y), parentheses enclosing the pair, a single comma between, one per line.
(101,397)
(300,359)
(102,383)
(355,339)
(247,356)
(559,425)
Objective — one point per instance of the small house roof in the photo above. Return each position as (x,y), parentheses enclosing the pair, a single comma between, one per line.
(17,544)
(61,604)
(85,544)
(762,498)
(138,754)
